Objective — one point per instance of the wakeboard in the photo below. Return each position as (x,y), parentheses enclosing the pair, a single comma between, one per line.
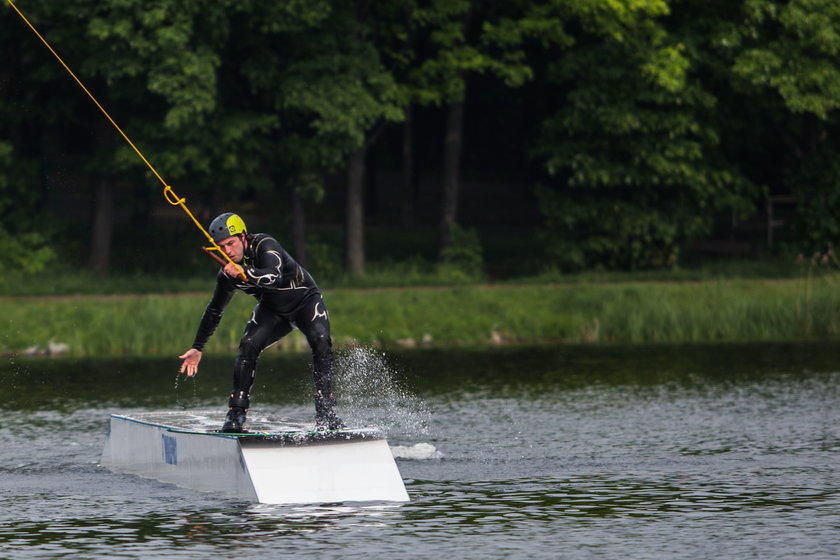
(260,427)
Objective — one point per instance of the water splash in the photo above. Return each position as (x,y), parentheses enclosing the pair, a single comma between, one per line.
(187,401)
(370,392)
(418,451)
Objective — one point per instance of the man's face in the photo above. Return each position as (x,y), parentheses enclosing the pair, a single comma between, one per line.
(233,248)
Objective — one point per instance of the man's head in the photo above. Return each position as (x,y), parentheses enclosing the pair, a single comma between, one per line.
(229,232)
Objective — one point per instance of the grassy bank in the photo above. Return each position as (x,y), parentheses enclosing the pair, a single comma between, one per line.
(630,312)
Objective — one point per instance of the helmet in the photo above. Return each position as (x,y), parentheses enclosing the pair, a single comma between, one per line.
(226,225)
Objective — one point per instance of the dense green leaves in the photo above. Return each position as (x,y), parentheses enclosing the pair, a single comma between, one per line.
(793,48)
(787,58)
(648,120)
(635,149)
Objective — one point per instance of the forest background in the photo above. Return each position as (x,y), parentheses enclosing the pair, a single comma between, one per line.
(406,142)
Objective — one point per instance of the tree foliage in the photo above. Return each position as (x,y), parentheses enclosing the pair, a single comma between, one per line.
(650,120)
(633,146)
(788,57)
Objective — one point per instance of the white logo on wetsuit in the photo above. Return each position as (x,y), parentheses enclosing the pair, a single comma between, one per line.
(319,313)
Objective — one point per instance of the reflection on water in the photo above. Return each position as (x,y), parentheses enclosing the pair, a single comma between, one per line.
(583,452)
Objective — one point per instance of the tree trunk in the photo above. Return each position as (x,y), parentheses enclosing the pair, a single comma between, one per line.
(141,207)
(298,229)
(451,166)
(102,205)
(102,226)
(354,246)
(407,213)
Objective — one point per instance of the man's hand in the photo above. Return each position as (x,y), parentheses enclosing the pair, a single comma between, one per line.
(191,358)
(234,270)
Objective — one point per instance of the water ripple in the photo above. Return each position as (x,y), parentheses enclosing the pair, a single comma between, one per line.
(608,465)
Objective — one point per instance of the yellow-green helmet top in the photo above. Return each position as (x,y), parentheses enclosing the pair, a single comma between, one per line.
(226,225)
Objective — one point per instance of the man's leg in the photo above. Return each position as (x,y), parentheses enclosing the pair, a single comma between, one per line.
(314,322)
(263,330)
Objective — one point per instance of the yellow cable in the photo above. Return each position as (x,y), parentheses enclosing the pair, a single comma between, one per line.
(168,193)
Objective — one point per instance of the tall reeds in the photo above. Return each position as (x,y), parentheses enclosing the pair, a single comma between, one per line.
(643,312)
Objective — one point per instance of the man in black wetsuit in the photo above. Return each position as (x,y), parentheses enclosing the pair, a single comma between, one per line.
(288,298)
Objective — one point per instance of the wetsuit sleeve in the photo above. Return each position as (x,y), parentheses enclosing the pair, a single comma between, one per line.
(267,268)
(213,312)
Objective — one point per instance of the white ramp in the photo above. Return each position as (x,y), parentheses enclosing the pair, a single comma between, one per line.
(278,462)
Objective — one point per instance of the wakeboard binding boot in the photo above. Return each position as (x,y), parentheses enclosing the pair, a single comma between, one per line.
(235,419)
(325,416)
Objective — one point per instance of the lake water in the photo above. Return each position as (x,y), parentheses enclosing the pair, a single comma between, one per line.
(566,452)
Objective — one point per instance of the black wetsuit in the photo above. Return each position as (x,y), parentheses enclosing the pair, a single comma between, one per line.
(288,298)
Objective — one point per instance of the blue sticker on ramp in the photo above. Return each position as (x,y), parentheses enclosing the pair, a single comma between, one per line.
(170,450)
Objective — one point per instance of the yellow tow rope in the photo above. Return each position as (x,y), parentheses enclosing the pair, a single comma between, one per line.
(168,193)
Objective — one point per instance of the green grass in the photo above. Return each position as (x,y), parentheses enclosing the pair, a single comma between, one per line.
(469,315)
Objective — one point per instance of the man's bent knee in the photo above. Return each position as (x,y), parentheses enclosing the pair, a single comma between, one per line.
(249,349)
(320,341)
